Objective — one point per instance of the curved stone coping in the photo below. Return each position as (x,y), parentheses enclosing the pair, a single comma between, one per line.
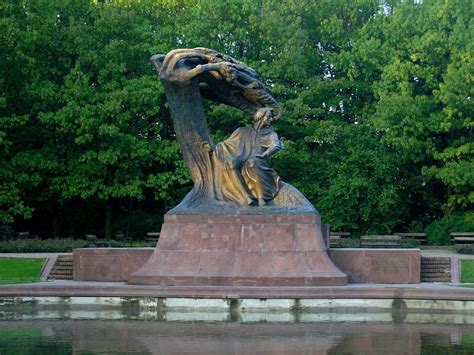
(236,310)
(360,291)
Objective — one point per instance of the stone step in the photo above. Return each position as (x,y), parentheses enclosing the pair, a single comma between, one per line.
(436,280)
(429,258)
(434,274)
(435,269)
(62,269)
(436,266)
(63,264)
(438,269)
(435,261)
(62,277)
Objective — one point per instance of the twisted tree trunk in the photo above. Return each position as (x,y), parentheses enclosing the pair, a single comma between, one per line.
(190,125)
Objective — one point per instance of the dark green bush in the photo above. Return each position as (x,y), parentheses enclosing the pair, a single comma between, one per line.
(41,246)
(352,242)
(464,249)
(438,231)
(6,232)
(409,243)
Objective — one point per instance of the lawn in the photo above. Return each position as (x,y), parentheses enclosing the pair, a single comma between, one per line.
(467,270)
(19,270)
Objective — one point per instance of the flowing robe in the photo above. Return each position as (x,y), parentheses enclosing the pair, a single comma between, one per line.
(239,173)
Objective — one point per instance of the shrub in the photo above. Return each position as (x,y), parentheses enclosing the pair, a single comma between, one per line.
(41,246)
(438,231)
(6,232)
(409,243)
(352,242)
(464,249)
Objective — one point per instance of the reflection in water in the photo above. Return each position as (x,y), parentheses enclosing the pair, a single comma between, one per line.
(151,337)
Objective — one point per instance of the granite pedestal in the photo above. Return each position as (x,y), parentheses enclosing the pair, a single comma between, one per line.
(240,250)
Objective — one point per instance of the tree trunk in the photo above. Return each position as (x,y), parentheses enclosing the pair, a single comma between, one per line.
(190,125)
(108,218)
(129,219)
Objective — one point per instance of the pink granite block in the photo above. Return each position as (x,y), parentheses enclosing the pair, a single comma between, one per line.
(215,264)
(379,265)
(251,264)
(223,236)
(308,238)
(170,236)
(287,264)
(108,264)
(238,250)
(278,237)
(389,268)
(250,238)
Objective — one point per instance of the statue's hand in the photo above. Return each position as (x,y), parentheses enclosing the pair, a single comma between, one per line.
(261,156)
(208,147)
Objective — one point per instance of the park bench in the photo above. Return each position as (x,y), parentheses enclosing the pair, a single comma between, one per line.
(152,237)
(26,235)
(419,237)
(120,237)
(335,238)
(462,238)
(92,238)
(23,235)
(380,241)
(334,241)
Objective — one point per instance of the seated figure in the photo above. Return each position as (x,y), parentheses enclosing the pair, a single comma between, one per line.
(242,173)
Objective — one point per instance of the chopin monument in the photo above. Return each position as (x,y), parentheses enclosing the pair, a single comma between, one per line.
(240,225)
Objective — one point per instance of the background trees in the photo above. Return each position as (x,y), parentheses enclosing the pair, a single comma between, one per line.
(377,98)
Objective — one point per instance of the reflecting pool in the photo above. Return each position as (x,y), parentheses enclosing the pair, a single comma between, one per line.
(164,337)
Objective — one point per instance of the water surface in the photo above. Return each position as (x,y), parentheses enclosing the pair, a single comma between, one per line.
(154,337)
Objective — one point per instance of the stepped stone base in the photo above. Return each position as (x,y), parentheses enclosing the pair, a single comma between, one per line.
(62,268)
(436,269)
(240,250)
(394,266)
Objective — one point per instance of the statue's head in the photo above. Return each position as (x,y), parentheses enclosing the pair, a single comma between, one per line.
(264,116)
(267,115)
(157,61)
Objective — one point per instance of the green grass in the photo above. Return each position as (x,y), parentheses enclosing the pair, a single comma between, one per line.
(19,270)
(467,270)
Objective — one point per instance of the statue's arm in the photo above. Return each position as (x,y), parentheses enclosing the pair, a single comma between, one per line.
(209,147)
(275,146)
(202,68)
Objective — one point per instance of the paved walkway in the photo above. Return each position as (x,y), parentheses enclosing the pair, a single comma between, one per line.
(31,255)
(423,291)
(444,253)
(441,291)
(424,252)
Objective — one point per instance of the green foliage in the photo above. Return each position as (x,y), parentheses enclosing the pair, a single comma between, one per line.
(66,245)
(20,270)
(439,230)
(464,249)
(377,96)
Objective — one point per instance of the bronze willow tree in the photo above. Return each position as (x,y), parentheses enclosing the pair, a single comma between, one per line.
(188,75)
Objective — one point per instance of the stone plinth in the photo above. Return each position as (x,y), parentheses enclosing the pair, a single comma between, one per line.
(240,250)
(108,264)
(392,266)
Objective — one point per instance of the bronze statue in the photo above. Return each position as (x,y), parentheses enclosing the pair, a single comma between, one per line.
(242,172)
(235,172)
